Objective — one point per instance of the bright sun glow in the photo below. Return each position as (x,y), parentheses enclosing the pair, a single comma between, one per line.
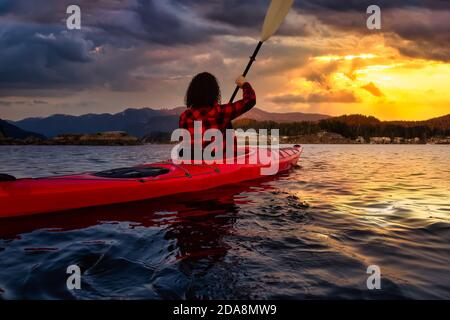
(384,84)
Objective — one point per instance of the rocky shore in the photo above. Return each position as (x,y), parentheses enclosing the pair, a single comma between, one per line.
(318,138)
(119,138)
(334,138)
(97,139)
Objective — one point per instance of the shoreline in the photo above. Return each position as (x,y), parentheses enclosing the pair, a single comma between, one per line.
(173,143)
(119,138)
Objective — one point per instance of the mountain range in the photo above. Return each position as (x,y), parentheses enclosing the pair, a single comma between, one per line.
(9,130)
(147,121)
(261,115)
(137,122)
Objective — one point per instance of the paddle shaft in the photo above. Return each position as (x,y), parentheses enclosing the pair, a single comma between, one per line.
(252,58)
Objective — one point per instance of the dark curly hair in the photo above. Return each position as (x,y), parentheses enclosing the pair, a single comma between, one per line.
(203,91)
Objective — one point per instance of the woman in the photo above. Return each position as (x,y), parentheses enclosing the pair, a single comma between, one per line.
(203,103)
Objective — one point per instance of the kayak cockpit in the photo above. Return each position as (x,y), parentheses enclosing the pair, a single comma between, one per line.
(132,172)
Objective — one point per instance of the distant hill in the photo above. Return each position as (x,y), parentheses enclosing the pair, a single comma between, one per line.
(442,123)
(439,123)
(357,126)
(11,131)
(137,122)
(356,119)
(147,122)
(261,115)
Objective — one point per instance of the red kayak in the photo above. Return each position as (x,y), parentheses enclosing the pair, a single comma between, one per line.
(24,197)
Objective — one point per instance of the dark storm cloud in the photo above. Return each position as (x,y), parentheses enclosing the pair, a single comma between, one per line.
(55,9)
(423,24)
(36,11)
(421,34)
(154,21)
(169,22)
(359,5)
(39,55)
(237,13)
(7,6)
(37,52)
(42,57)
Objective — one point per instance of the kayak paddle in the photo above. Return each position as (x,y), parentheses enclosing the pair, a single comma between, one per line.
(275,15)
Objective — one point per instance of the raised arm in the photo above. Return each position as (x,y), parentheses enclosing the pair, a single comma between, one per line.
(248,101)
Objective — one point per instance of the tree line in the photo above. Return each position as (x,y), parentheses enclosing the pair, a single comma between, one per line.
(351,127)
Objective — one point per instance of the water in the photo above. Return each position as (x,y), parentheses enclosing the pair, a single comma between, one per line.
(310,233)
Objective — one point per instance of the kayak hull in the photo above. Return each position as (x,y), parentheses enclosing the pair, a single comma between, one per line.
(44,195)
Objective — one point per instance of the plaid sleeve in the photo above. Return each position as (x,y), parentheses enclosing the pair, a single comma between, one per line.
(182,121)
(235,109)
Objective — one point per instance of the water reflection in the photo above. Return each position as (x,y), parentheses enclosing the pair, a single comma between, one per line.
(165,243)
(308,234)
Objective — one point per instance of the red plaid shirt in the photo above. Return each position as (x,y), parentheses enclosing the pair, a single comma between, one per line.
(218,116)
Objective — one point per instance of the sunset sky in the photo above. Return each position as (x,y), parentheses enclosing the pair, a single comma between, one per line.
(143,53)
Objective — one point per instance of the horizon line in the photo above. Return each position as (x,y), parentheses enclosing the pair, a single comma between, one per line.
(242,117)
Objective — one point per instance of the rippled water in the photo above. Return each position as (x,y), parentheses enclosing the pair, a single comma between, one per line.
(310,233)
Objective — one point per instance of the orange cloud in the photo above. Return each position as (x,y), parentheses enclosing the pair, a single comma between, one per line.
(336,97)
(373,89)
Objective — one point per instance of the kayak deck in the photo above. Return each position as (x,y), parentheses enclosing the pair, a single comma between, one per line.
(43,195)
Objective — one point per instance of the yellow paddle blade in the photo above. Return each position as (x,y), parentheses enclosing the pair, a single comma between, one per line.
(278,10)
